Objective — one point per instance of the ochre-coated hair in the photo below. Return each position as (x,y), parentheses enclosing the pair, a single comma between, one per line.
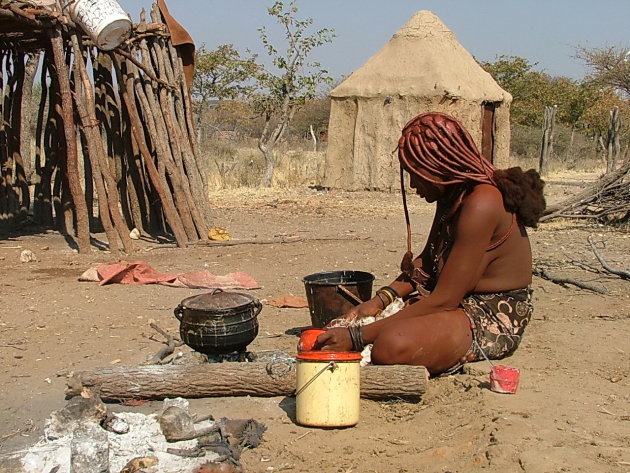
(437,148)
(438,143)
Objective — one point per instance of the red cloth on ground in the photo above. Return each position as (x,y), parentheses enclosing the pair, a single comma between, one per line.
(140,272)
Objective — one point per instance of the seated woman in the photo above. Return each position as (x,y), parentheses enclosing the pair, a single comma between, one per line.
(473,276)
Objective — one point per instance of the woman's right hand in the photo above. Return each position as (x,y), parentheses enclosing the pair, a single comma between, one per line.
(366,309)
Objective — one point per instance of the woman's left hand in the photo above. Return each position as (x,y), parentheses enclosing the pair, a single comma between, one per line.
(334,339)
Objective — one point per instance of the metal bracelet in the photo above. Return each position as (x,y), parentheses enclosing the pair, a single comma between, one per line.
(383,301)
(356,337)
(392,292)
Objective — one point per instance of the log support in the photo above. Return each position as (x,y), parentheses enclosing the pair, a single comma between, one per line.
(235,379)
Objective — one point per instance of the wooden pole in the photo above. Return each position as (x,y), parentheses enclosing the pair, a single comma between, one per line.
(190,180)
(80,206)
(5,172)
(139,157)
(134,185)
(613,148)
(546,148)
(109,194)
(170,212)
(7,138)
(157,133)
(190,163)
(15,137)
(180,102)
(234,379)
(30,72)
(44,154)
(49,146)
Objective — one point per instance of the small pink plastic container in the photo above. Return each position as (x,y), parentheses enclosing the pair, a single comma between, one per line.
(504,379)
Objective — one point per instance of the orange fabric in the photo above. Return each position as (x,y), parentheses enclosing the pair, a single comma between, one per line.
(139,272)
(182,41)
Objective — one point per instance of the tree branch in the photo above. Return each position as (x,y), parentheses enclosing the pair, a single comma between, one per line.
(618,272)
(542,273)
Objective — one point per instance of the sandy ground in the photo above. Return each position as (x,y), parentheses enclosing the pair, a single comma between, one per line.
(571,412)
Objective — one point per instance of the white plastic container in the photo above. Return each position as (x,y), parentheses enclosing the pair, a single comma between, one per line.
(328,389)
(103,20)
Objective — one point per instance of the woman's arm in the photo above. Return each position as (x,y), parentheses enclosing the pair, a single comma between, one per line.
(402,284)
(478,218)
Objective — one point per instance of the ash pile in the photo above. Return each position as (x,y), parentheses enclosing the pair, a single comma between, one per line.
(86,437)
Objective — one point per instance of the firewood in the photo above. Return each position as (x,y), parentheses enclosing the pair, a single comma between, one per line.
(234,379)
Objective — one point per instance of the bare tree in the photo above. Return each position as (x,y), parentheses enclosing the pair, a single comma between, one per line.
(609,65)
(282,93)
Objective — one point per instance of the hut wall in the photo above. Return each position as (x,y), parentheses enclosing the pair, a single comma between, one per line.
(363,134)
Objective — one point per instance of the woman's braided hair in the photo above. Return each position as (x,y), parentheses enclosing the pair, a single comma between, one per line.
(438,143)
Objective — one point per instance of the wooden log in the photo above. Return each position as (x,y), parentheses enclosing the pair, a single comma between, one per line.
(194,193)
(87,115)
(234,379)
(593,191)
(78,198)
(160,138)
(166,199)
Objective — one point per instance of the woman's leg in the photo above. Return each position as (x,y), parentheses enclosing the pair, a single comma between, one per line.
(436,341)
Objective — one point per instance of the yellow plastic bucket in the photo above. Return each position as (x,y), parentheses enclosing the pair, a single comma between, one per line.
(328,389)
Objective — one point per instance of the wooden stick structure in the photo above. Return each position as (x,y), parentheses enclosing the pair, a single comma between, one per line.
(608,199)
(234,379)
(113,146)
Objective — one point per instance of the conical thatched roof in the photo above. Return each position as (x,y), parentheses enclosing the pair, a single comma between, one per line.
(423,58)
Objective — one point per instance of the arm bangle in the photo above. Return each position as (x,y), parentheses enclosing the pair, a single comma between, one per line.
(383,301)
(388,294)
(357,337)
(391,291)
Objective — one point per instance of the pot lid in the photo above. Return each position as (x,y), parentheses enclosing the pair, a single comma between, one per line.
(218,301)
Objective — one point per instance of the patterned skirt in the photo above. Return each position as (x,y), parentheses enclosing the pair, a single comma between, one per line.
(498,321)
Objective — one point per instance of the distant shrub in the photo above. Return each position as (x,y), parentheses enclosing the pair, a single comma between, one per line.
(579,153)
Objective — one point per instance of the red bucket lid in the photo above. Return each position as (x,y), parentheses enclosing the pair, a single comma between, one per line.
(318,355)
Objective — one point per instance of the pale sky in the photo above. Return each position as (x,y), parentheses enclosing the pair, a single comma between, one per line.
(543,31)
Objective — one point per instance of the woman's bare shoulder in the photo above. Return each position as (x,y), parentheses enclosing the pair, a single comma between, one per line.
(483,198)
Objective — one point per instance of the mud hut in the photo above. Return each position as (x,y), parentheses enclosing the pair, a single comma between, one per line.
(422,68)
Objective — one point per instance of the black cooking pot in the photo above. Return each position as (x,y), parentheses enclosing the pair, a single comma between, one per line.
(218,322)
